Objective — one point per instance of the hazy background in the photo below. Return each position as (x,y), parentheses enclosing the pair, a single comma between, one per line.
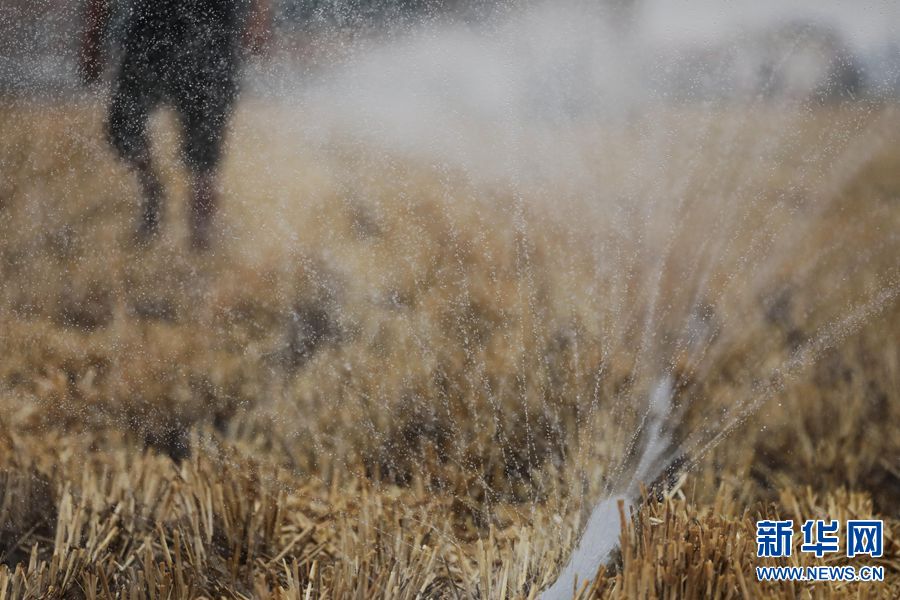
(38,40)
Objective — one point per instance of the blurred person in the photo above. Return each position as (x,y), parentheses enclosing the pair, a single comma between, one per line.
(185,53)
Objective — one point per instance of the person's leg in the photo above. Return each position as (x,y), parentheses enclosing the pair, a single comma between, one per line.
(127,130)
(148,224)
(205,119)
(204,201)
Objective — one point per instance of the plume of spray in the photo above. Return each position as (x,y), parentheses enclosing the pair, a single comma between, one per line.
(501,100)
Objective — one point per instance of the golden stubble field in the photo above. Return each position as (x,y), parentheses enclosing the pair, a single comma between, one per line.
(391,380)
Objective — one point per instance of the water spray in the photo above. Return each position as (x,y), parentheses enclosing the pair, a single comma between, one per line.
(601,534)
